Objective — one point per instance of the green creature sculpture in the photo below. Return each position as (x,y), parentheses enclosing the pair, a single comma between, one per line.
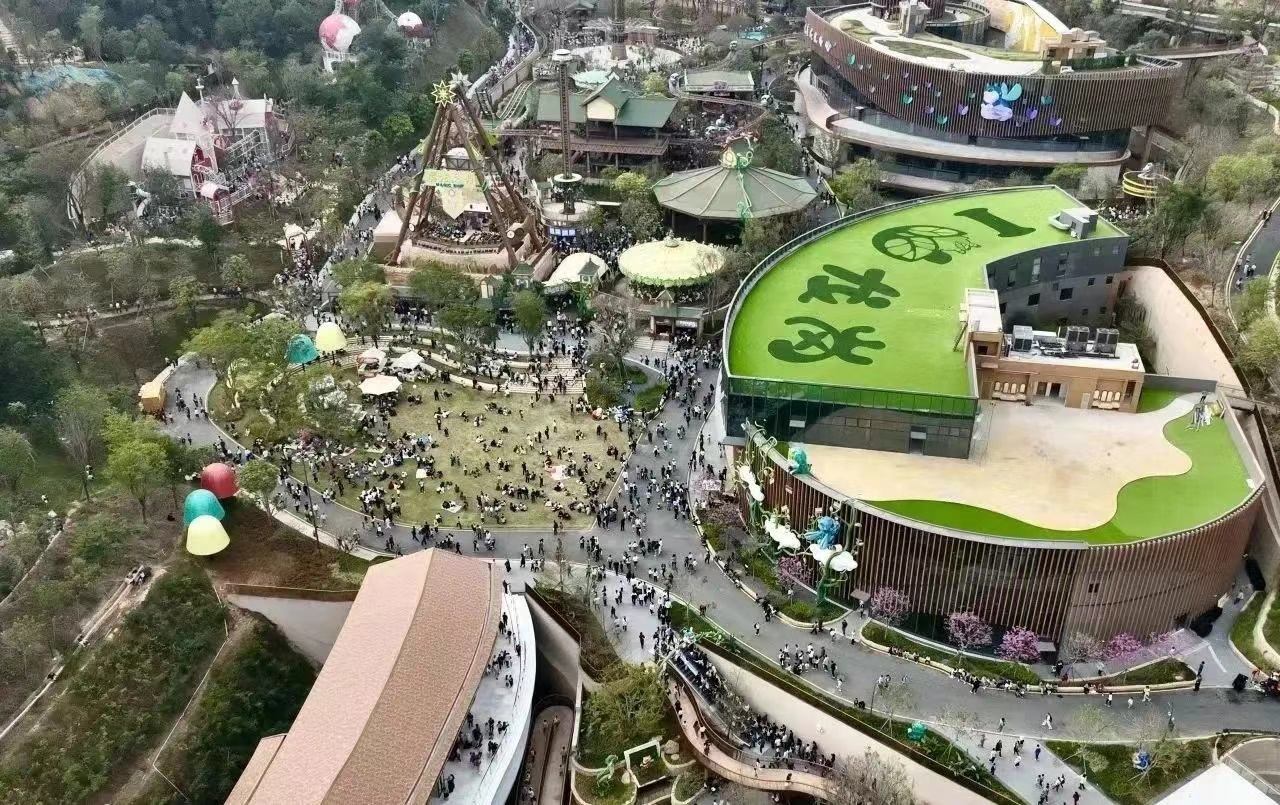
(798,461)
(605,776)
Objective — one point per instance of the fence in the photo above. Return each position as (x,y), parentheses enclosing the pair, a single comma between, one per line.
(76,187)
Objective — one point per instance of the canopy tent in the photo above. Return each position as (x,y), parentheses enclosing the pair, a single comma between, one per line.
(409,361)
(199,503)
(670,263)
(728,193)
(379,385)
(301,350)
(577,267)
(329,338)
(373,355)
(206,536)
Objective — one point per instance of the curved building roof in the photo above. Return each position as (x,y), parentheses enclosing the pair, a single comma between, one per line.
(385,710)
(726,193)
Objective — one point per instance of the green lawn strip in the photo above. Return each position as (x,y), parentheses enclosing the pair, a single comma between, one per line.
(918,325)
(995,669)
(647,399)
(920,50)
(255,690)
(1146,507)
(1160,672)
(1242,633)
(123,698)
(934,752)
(1271,629)
(1109,768)
(1156,399)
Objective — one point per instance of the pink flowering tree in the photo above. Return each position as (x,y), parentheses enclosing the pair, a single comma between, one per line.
(966,630)
(1019,645)
(791,568)
(1123,649)
(890,606)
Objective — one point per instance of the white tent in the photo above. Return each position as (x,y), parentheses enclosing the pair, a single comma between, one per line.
(378,385)
(409,361)
(373,355)
(572,269)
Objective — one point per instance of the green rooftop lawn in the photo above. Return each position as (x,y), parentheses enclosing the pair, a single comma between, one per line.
(1145,508)
(929,266)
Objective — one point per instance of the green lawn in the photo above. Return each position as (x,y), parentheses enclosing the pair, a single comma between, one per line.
(995,669)
(1242,632)
(1155,399)
(1147,507)
(1110,768)
(928,254)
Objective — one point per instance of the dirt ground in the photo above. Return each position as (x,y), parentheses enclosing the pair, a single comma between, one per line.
(573,434)
(264,552)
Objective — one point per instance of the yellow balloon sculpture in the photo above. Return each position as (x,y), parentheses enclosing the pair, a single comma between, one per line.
(206,536)
(329,338)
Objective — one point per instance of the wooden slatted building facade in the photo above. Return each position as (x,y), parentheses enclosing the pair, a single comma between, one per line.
(1054,588)
(950,101)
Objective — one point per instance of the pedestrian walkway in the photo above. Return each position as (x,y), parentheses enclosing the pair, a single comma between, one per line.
(546,768)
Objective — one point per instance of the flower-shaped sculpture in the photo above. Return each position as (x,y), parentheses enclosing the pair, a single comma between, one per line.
(831,556)
(785,540)
(798,461)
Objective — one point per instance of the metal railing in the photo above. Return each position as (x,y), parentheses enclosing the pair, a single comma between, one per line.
(75,188)
(1252,777)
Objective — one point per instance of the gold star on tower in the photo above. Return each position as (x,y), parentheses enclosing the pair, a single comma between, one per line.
(442,93)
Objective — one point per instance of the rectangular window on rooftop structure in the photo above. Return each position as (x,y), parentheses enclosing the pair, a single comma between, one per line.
(1035,270)
(1092,280)
(1033,300)
(1066,293)
(1062,264)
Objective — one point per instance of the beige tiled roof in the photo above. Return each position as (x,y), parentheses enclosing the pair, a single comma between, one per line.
(379,722)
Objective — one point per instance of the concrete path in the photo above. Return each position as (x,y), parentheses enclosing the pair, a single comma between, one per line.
(546,772)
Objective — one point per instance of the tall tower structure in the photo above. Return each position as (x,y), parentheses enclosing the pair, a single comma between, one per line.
(566,181)
(619,30)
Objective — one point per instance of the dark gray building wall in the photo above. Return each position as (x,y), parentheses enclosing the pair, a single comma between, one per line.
(1069,283)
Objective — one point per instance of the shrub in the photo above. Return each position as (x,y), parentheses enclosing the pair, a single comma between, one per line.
(649,399)
(690,783)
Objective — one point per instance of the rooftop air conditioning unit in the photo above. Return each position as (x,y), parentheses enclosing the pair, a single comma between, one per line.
(1106,341)
(1077,339)
(1079,221)
(1023,340)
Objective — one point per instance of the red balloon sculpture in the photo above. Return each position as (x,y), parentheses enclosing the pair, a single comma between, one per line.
(220,480)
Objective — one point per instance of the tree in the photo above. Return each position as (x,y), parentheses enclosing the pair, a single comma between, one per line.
(655,84)
(90,28)
(472,329)
(871,779)
(966,630)
(138,467)
(80,413)
(854,186)
(259,478)
(1252,302)
(1123,649)
(1068,177)
(1261,350)
(618,337)
(642,217)
(890,606)
(30,375)
(368,304)
(27,295)
(185,291)
(530,316)
(357,270)
(777,147)
(1221,227)
(436,285)
(466,62)
(1019,645)
(629,707)
(16,457)
(205,228)
(237,273)
(602,391)
(632,185)
(1246,177)
(1179,209)
(1082,647)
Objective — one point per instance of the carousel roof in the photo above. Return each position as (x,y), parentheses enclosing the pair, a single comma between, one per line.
(670,263)
(730,193)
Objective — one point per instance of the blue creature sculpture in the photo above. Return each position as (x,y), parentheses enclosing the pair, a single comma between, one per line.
(827,533)
(799,461)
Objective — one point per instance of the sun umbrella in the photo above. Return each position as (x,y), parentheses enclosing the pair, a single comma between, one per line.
(329,338)
(300,350)
(378,385)
(206,536)
(201,502)
(220,480)
(373,354)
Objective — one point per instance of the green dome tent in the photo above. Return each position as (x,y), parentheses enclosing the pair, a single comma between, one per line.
(201,502)
(301,351)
